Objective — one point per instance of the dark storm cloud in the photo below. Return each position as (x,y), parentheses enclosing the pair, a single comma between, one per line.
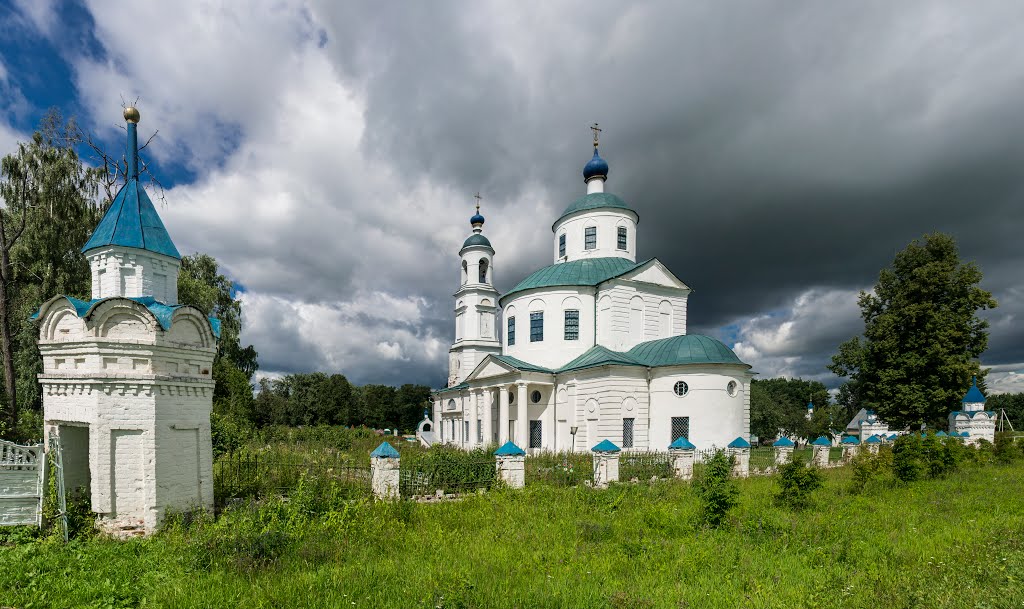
(767,151)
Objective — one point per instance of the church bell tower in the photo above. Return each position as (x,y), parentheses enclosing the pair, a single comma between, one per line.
(476,305)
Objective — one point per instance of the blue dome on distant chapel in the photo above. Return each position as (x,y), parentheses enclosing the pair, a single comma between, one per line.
(595,167)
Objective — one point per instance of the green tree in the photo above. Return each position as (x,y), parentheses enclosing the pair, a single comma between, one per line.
(922,334)
(50,208)
(201,285)
(1012,403)
(780,404)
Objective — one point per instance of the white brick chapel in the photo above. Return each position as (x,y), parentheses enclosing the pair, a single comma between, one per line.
(126,379)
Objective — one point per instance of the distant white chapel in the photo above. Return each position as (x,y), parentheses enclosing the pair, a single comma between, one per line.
(594,346)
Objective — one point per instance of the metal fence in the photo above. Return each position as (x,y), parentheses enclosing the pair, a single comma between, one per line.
(21,483)
(645,465)
(560,469)
(445,474)
(254,475)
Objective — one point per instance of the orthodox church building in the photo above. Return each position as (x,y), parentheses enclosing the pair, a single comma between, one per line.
(126,382)
(592,347)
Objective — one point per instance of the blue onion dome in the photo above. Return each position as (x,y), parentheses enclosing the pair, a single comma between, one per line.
(477,219)
(596,167)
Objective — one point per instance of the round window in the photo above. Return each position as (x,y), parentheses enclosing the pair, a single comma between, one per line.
(681,388)
(535,397)
(511,397)
(731,388)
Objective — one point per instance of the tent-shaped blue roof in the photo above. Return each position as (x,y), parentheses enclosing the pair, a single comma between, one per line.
(509,449)
(385,451)
(893,437)
(851,440)
(822,441)
(941,434)
(683,443)
(974,395)
(783,442)
(132,221)
(874,439)
(739,443)
(606,446)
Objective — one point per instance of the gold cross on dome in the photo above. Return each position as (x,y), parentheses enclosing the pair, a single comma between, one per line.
(478,198)
(597,130)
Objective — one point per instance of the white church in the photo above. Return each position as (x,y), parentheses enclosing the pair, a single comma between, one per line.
(593,347)
(126,382)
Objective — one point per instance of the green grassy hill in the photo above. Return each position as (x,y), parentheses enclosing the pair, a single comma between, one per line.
(953,542)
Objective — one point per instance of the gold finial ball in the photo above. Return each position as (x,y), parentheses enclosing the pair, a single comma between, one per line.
(131,114)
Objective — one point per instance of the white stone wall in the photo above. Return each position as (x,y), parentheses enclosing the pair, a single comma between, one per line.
(554,351)
(606,221)
(629,313)
(121,271)
(144,394)
(601,400)
(716,418)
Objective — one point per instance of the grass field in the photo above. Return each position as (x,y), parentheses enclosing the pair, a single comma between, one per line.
(954,542)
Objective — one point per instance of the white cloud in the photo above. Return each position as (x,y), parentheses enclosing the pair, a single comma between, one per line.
(792,341)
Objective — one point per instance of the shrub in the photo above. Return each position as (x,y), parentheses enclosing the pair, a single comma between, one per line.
(796,483)
(1004,450)
(866,467)
(229,433)
(716,491)
(907,458)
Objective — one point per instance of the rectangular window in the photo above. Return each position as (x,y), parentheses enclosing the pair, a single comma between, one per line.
(627,433)
(511,331)
(572,325)
(479,431)
(465,432)
(590,238)
(622,237)
(536,326)
(561,245)
(535,435)
(680,428)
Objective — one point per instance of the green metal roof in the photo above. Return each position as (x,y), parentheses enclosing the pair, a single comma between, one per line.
(588,271)
(519,364)
(595,200)
(685,349)
(599,356)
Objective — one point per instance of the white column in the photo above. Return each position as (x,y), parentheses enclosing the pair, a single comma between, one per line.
(437,420)
(474,415)
(502,414)
(550,428)
(488,398)
(523,419)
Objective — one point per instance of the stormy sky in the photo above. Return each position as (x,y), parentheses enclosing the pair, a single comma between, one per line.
(327,153)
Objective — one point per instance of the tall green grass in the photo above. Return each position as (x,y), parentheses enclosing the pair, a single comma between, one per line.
(956,541)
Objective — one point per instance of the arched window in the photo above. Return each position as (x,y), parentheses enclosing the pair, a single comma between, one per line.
(483,270)
(465,272)
(664,319)
(561,245)
(636,319)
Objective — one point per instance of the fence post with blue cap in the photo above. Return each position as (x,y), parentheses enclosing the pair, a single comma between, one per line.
(819,451)
(384,469)
(873,443)
(850,445)
(682,452)
(783,451)
(606,463)
(739,450)
(510,463)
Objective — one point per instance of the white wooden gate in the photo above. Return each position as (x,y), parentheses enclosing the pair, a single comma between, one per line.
(21,484)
